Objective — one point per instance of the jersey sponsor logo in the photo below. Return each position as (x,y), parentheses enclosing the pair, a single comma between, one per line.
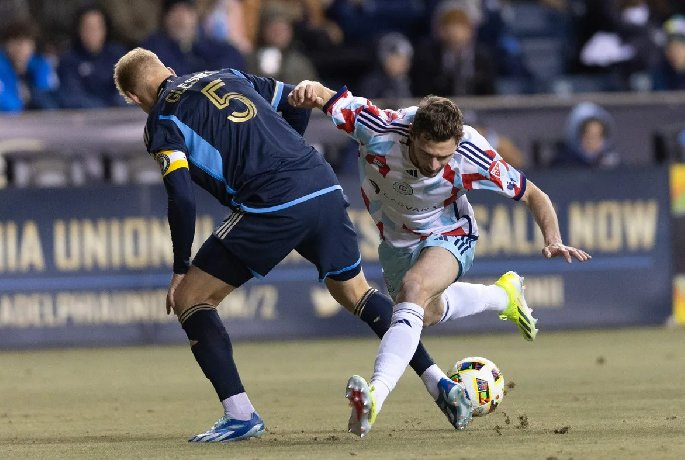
(412,172)
(223,101)
(403,188)
(409,207)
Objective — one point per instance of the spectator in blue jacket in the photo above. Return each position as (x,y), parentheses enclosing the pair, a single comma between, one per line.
(181,46)
(27,79)
(85,71)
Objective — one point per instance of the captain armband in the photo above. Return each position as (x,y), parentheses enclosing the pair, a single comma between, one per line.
(171,160)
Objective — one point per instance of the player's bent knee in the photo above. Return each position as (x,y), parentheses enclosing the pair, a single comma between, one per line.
(412,289)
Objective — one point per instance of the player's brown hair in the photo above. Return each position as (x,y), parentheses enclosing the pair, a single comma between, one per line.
(438,119)
(131,69)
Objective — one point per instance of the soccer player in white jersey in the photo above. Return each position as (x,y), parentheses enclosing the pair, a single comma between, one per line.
(416,165)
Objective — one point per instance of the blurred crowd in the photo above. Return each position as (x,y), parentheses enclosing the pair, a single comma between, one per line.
(57,55)
(60,54)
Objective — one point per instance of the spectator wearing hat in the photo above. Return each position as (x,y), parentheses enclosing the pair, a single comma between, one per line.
(390,80)
(669,74)
(589,140)
(451,62)
(85,71)
(27,79)
(182,46)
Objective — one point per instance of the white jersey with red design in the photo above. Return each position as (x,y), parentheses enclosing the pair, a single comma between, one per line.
(405,205)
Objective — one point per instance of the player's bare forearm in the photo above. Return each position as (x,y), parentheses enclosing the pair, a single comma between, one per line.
(546,217)
(310,95)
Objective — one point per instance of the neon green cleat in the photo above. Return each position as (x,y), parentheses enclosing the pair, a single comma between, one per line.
(517,310)
(363,405)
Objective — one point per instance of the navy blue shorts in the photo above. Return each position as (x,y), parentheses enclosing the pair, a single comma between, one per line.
(248,245)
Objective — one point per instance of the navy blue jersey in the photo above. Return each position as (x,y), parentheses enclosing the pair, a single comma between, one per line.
(222,129)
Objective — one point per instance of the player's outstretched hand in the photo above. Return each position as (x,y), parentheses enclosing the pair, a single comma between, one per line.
(567,252)
(306,95)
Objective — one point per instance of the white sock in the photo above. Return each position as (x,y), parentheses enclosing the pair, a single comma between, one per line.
(238,407)
(431,377)
(465,299)
(396,350)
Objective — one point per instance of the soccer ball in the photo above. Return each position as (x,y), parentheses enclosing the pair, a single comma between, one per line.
(483,381)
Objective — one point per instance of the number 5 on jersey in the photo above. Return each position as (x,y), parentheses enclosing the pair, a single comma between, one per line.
(221,102)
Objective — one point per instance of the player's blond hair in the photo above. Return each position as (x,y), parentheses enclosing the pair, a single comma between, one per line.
(132,69)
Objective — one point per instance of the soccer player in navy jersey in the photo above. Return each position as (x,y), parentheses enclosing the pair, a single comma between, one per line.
(417,164)
(222,130)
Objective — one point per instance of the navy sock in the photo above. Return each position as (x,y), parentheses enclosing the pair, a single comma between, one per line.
(375,309)
(212,349)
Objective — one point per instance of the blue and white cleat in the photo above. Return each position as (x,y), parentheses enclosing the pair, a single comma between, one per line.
(228,430)
(454,403)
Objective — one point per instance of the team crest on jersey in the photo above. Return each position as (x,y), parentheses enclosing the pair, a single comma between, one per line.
(403,188)
(164,162)
(494,170)
(495,174)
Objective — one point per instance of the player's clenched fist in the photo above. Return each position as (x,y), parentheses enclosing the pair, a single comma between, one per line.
(309,95)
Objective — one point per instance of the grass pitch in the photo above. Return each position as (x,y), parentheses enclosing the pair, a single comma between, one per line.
(598,394)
